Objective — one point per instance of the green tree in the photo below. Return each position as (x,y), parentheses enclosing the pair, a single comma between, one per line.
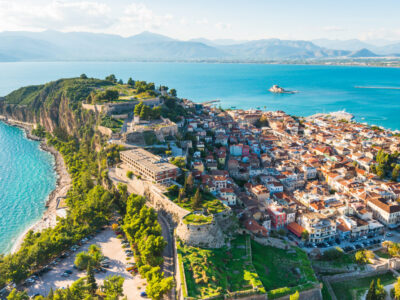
(396,289)
(364,256)
(295,296)
(172,92)
(371,294)
(157,288)
(15,295)
(305,235)
(112,287)
(196,201)
(145,112)
(111,78)
(130,82)
(83,76)
(129,174)
(138,108)
(91,280)
(380,291)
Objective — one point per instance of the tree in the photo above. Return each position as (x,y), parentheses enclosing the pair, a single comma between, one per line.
(196,201)
(172,92)
(15,295)
(120,81)
(129,174)
(83,260)
(189,183)
(305,235)
(380,291)
(83,76)
(397,289)
(157,287)
(90,279)
(145,112)
(138,108)
(371,294)
(295,296)
(131,82)
(111,78)
(112,287)
(364,256)
(178,161)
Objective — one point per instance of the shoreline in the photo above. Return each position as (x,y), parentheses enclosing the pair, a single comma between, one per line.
(63,183)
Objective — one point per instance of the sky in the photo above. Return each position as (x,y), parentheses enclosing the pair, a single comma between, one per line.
(212,19)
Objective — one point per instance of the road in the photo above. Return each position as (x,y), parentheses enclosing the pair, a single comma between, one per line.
(111,248)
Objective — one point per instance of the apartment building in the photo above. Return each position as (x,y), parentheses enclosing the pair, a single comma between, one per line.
(149,166)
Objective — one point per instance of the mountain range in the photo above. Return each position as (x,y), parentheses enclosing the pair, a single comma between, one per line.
(147,46)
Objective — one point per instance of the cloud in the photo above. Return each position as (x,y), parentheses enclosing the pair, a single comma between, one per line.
(75,15)
(58,15)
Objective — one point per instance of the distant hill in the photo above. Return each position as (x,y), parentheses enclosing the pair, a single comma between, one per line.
(148,46)
(362,53)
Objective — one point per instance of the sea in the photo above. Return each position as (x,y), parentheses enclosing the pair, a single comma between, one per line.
(27,177)
(371,94)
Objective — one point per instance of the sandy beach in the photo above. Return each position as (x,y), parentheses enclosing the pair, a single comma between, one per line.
(49,218)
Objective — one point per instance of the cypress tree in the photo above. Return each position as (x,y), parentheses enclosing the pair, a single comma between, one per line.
(91,280)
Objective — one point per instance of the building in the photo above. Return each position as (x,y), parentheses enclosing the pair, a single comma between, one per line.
(149,166)
(319,227)
(385,211)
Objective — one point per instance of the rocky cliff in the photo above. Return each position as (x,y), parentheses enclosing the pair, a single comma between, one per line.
(54,105)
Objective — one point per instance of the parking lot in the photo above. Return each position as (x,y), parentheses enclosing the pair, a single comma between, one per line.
(346,245)
(111,247)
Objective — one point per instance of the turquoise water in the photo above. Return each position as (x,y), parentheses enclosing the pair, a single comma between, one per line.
(321,88)
(26,179)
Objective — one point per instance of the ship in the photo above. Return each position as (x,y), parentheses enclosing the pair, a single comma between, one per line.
(280,90)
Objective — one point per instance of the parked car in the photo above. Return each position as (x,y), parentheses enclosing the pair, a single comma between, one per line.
(143,294)
(68,271)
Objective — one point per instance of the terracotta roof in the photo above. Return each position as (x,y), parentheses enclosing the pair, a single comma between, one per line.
(295,228)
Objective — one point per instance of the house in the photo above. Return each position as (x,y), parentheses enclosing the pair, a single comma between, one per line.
(278,216)
(260,192)
(228,196)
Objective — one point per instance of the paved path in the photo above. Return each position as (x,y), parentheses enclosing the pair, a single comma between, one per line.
(111,248)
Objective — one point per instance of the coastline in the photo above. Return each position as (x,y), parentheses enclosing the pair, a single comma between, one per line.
(63,183)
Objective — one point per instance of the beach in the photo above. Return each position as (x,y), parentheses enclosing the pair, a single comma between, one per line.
(49,218)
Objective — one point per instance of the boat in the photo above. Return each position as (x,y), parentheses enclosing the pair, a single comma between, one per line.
(276,89)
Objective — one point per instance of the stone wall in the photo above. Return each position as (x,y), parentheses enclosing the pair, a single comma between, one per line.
(104,130)
(312,294)
(204,235)
(156,198)
(277,243)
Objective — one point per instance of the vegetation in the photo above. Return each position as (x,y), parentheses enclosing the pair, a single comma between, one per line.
(391,248)
(262,122)
(83,288)
(347,290)
(364,256)
(114,124)
(215,272)
(178,161)
(386,164)
(39,131)
(190,197)
(150,137)
(282,272)
(90,258)
(129,174)
(376,291)
(144,233)
(146,113)
(197,219)
(395,291)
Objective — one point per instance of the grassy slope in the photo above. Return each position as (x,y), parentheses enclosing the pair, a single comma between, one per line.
(211,272)
(277,269)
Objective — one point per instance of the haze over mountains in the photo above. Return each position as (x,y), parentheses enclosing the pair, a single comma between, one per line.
(55,46)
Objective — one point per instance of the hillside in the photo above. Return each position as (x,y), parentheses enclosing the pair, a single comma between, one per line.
(54,105)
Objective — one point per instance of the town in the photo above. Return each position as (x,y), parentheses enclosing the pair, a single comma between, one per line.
(319,183)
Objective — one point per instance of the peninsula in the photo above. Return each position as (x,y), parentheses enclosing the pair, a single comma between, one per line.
(204,202)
